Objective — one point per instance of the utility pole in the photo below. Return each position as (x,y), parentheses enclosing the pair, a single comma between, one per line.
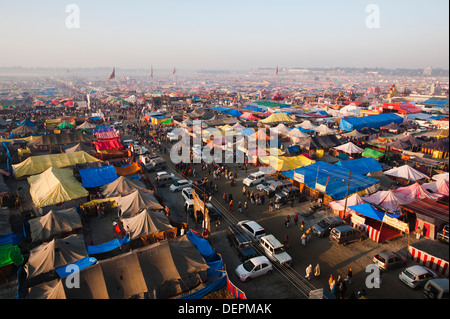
(346,197)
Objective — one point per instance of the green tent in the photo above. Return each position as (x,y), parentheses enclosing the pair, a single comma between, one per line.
(65,124)
(368,152)
(10,254)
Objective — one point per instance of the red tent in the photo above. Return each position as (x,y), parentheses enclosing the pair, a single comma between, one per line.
(249,116)
(113,143)
(68,103)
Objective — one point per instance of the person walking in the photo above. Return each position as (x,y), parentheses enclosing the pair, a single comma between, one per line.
(270,206)
(309,270)
(348,279)
(286,241)
(224,197)
(331,281)
(302,225)
(296,219)
(231,205)
(244,190)
(287,221)
(240,207)
(317,271)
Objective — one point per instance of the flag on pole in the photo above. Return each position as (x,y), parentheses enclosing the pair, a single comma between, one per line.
(151,71)
(174,71)
(276,70)
(113,75)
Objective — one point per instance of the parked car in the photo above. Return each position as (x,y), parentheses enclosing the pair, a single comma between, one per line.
(416,276)
(436,288)
(252,228)
(264,186)
(173,137)
(323,227)
(281,198)
(254,179)
(277,187)
(179,185)
(292,192)
(155,164)
(443,234)
(254,267)
(163,178)
(275,250)
(387,260)
(241,243)
(346,234)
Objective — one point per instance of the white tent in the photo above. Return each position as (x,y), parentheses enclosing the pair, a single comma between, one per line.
(350,109)
(324,130)
(406,172)
(282,129)
(295,132)
(307,125)
(349,148)
(440,176)
(238,127)
(388,200)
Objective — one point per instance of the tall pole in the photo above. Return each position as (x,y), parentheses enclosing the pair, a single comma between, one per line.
(346,196)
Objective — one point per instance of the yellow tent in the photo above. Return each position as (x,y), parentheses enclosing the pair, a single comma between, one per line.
(28,138)
(51,124)
(285,163)
(37,164)
(275,151)
(54,186)
(277,117)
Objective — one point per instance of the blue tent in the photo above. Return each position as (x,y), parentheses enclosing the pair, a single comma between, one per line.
(220,109)
(233,112)
(368,211)
(373,121)
(98,176)
(28,122)
(109,246)
(330,179)
(361,166)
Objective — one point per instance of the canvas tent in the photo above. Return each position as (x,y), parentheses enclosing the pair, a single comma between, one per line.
(135,202)
(88,148)
(54,186)
(23,129)
(406,172)
(54,223)
(385,181)
(324,130)
(389,200)
(368,152)
(277,118)
(373,121)
(123,186)
(362,166)
(416,191)
(61,139)
(54,254)
(338,206)
(349,148)
(37,164)
(86,125)
(285,163)
(98,176)
(160,271)
(439,187)
(129,169)
(146,223)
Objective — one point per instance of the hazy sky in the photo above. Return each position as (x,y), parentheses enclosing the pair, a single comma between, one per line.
(226,34)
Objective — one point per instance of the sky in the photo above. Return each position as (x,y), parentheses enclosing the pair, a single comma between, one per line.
(226,34)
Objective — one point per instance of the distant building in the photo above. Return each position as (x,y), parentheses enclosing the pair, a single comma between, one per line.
(436,89)
(428,71)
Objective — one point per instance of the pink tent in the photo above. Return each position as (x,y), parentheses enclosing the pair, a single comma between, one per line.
(388,200)
(339,205)
(439,187)
(416,191)
(249,116)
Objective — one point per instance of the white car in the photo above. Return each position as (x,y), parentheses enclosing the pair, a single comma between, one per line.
(254,179)
(416,276)
(254,267)
(252,228)
(179,185)
(275,250)
(141,150)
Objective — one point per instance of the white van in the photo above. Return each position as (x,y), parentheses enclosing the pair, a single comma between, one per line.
(436,289)
(254,179)
(275,250)
(255,230)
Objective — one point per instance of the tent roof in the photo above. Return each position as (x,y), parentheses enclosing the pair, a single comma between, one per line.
(416,191)
(373,121)
(285,163)
(349,148)
(406,172)
(428,210)
(441,145)
(53,223)
(368,152)
(276,118)
(146,223)
(86,125)
(362,166)
(339,205)
(37,164)
(55,254)
(135,202)
(54,186)
(355,134)
(387,199)
(369,211)
(98,176)
(80,147)
(123,186)
(61,139)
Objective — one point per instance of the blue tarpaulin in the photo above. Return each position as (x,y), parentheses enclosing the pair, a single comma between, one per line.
(27,122)
(11,238)
(220,108)
(333,179)
(203,247)
(109,246)
(362,166)
(369,211)
(233,112)
(76,266)
(98,176)
(373,121)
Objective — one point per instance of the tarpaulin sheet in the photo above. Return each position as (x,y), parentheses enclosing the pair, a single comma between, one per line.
(10,254)
(368,152)
(10,238)
(98,176)
(373,121)
(37,164)
(285,163)
(361,165)
(277,117)
(111,245)
(332,178)
(368,211)
(108,144)
(81,264)
(203,246)
(128,170)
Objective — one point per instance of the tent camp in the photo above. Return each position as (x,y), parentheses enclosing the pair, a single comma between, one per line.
(324,130)
(135,202)
(54,186)
(439,187)
(389,200)
(123,186)
(338,206)
(147,223)
(37,164)
(128,169)
(406,172)
(385,181)
(86,125)
(23,130)
(88,148)
(61,139)
(368,152)
(277,118)
(361,166)
(285,163)
(159,271)
(416,191)
(54,254)
(98,176)
(54,223)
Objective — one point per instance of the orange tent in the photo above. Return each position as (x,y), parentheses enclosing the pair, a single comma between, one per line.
(128,170)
